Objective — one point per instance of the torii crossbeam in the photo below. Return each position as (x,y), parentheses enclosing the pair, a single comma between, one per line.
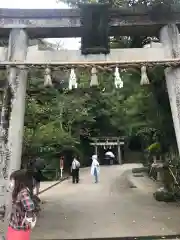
(124,58)
(59,23)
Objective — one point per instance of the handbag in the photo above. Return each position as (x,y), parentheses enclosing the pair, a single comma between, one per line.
(31,221)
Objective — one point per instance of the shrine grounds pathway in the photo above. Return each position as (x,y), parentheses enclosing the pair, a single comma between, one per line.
(112,208)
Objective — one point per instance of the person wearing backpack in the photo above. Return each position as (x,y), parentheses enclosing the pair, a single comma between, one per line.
(75,170)
(22,215)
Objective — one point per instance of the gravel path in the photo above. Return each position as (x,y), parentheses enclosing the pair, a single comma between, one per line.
(111,208)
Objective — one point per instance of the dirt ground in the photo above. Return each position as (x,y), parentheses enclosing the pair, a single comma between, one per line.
(111,208)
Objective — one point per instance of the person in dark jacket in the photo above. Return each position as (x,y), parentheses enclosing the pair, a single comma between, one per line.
(75,170)
(35,167)
(37,178)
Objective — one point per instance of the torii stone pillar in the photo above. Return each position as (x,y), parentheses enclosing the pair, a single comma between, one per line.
(17,51)
(170,39)
(17,78)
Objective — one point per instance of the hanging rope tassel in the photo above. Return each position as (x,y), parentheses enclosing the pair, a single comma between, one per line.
(47,78)
(117,79)
(94,78)
(72,80)
(144,77)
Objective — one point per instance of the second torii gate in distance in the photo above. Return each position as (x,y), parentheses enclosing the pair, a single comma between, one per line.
(108,143)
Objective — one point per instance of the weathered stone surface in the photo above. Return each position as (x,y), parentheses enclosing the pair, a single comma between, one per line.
(41,23)
(163,195)
(75,56)
(170,40)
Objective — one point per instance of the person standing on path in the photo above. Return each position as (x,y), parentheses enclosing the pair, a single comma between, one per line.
(37,177)
(75,170)
(35,171)
(22,216)
(95,168)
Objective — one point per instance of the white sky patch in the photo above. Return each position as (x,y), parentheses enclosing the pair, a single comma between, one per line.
(67,43)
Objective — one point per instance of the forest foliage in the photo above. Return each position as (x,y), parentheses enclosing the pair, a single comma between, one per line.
(59,121)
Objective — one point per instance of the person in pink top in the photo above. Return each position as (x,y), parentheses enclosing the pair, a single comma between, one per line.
(22,217)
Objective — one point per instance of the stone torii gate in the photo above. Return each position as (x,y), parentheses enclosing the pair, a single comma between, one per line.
(20,25)
(109,142)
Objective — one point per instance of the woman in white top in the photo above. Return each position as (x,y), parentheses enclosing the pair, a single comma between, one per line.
(95,168)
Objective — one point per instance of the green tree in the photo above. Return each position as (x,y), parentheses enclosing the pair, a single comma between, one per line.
(57,119)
